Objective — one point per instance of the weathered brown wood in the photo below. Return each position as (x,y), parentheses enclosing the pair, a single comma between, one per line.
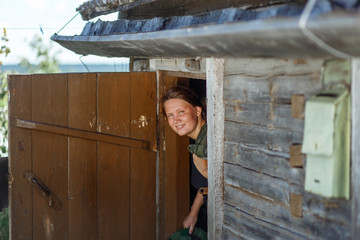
(263,161)
(20,96)
(82,134)
(274,88)
(216,150)
(160,168)
(177,175)
(82,101)
(178,66)
(332,225)
(143,108)
(113,184)
(142,194)
(328,210)
(260,130)
(258,183)
(49,160)
(270,80)
(267,67)
(49,98)
(82,189)
(228,233)
(20,192)
(265,114)
(248,226)
(355,150)
(185,74)
(113,103)
(273,139)
(86,170)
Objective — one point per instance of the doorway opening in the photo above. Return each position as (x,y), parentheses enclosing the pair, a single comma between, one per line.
(175,160)
(199,87)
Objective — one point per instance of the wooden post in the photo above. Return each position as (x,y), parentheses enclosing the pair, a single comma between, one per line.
(215,119)
(355,150)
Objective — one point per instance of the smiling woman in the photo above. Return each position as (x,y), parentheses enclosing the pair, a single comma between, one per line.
(183,117)
(186,116)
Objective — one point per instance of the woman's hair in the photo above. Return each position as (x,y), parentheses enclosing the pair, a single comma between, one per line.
(187,95)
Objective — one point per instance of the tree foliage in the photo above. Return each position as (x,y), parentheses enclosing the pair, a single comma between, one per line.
(45,59)
(4,51)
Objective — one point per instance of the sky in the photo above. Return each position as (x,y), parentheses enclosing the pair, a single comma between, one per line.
(23,19)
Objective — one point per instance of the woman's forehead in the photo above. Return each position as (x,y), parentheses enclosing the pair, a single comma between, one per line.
(175,103)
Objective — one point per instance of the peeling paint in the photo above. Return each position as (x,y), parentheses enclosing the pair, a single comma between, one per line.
(92,122)
(103,125)
(142,122)
(49,228)
(237,108)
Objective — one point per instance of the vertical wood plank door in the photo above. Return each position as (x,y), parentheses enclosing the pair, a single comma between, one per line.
(83,156)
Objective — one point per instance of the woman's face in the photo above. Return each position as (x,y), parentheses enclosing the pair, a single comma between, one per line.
(182,116)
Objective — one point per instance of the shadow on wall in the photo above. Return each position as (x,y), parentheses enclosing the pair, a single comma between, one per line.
(3,183)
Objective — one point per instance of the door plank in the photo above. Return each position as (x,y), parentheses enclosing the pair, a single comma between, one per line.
(143,107)
(82,101)
(176,168)
(20,96)
(143,194)
(82,189)
(82,134)
(113,183)
(49,98)
(114,103)
(177,180)
(49,155)
(20,193)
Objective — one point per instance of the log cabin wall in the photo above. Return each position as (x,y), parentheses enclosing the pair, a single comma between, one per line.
(264,196)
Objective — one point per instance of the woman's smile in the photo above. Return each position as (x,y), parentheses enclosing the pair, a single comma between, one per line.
(183,118)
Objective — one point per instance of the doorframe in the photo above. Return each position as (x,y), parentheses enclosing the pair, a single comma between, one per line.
(355,151)
(215,68)
(212,70)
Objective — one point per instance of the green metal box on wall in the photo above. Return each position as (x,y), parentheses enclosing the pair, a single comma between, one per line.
(327,143)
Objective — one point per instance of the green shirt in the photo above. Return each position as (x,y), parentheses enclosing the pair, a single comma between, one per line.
(199,148)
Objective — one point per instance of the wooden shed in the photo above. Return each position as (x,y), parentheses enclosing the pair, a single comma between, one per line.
(91,155)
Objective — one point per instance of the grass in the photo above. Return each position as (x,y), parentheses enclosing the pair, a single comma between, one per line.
(4,224)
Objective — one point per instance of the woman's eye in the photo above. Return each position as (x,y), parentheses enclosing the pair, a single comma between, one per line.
(170,115)
(181,112)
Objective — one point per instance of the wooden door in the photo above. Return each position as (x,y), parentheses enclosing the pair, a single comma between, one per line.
(175,166)
(83,156)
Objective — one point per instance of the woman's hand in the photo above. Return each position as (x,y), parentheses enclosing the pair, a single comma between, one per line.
(201,165)
(190,222)
(191,219)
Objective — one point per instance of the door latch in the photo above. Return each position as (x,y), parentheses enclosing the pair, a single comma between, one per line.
(41,188)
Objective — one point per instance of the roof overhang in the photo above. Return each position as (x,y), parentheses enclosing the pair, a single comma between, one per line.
(280,37)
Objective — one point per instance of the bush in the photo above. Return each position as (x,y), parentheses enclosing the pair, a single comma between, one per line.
(4,224)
